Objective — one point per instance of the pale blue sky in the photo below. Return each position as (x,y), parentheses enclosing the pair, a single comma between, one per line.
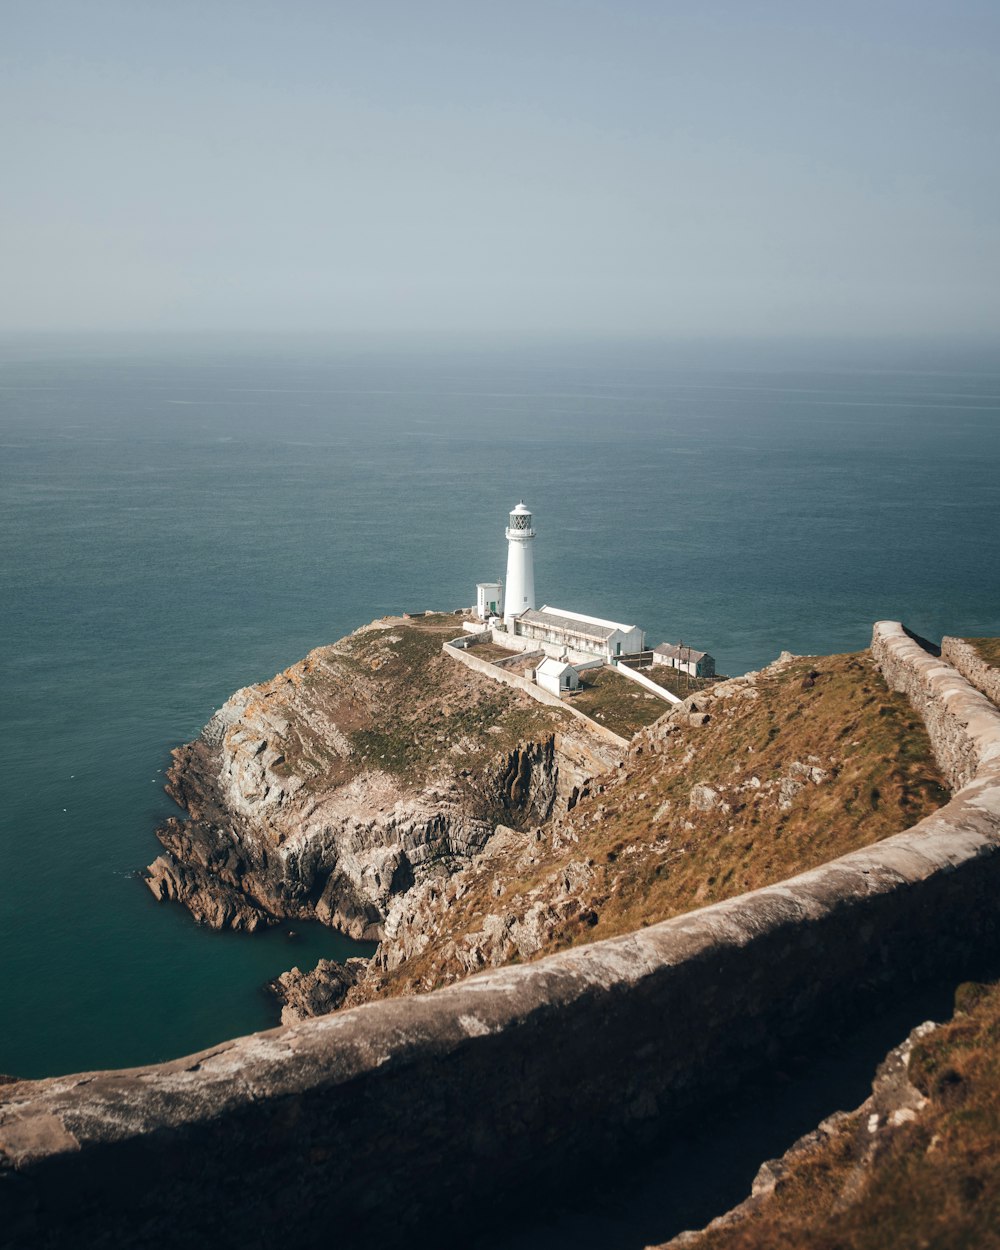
(541,166)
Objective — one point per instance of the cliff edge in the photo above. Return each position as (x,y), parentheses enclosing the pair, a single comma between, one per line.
(370,766)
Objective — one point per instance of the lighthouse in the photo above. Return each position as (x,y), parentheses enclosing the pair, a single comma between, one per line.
(519,591)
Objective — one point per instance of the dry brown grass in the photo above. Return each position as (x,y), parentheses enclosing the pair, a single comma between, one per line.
(880,778)
(934,1182)
(988,648)
(490,651)
(676,682)
(651,854)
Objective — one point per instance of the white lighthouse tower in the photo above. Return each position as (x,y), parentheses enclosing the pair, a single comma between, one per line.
(519,592)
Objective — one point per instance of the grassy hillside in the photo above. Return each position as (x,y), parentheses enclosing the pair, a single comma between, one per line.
(386,698)
(810,761)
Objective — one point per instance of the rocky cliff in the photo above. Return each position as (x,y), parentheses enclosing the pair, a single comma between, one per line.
(370,767)
(914,1165)
(383,788)
(766,774)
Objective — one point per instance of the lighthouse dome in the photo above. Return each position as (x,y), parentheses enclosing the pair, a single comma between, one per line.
(520,520)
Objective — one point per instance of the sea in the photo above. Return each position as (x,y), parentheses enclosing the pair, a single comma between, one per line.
(181,516)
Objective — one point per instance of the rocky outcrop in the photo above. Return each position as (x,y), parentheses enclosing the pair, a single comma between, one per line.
(371,766)
(518,930)
(686,810)
(316,992)
(964,656)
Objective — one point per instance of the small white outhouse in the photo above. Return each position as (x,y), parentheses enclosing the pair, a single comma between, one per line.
(556,676)
(489,599)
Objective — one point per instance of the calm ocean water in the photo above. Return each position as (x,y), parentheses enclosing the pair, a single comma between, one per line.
(180,519)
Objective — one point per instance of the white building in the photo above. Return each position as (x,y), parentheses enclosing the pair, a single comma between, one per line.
(558,631)
(684,659)
(489,599)
(556,676)
(520,585)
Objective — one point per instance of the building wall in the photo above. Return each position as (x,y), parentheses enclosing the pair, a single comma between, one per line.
(560,640)
(632,640)
(519,586)
(556,641)
(548,682)
(555,683)
(704,667)
(486,595)
(645,682)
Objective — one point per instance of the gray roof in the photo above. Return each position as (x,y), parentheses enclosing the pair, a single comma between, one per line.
(678,652)
(583,629)
(550,665)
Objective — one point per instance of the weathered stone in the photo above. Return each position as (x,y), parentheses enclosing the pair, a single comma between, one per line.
(961,722)
(985,677)
(316,992)
(704,798)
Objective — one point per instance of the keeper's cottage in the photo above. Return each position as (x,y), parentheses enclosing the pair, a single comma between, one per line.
(563,630)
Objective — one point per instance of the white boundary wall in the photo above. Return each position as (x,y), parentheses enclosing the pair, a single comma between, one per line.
(639,679)
(459,650)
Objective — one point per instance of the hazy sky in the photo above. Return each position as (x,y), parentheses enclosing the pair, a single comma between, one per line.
(571,166)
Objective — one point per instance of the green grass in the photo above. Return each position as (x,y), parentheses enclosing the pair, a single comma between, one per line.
(676,682)
(423,710)
(403,706)
(617,703)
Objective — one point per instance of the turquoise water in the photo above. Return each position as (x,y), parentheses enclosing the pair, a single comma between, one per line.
(180,519)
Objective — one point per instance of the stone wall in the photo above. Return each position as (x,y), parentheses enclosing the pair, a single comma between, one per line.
(641,680)
(421,1113)
(985,677)
(964,726)
(461,650)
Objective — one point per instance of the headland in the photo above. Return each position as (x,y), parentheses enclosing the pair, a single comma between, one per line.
(765,861)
